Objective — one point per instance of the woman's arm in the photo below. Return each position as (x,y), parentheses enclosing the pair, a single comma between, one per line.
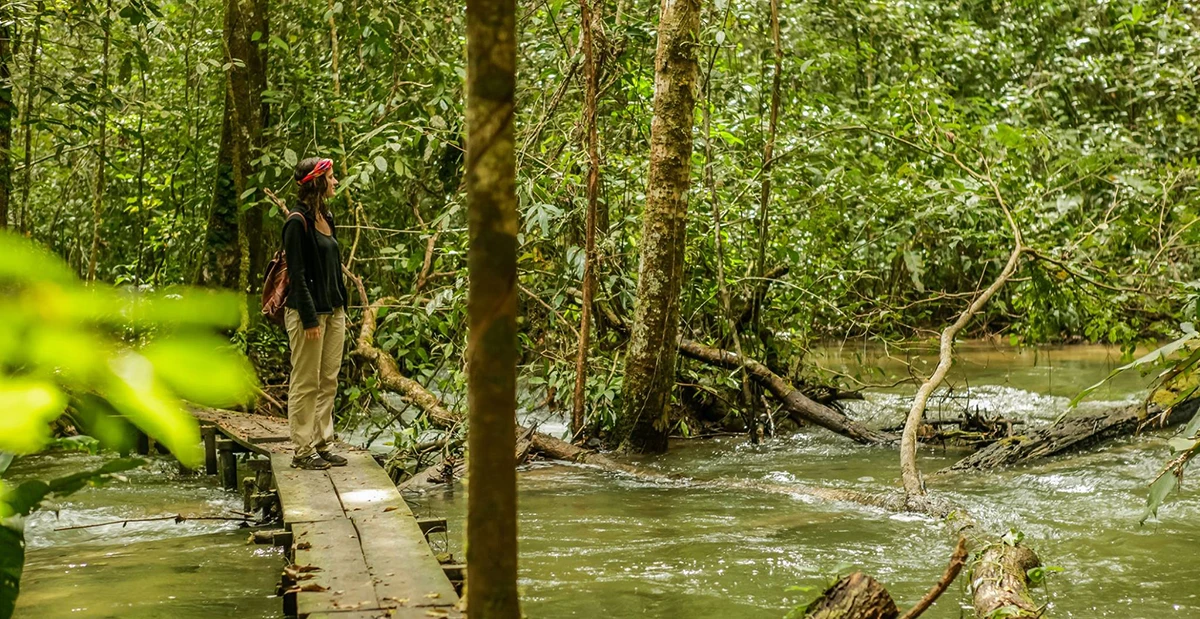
(293,248)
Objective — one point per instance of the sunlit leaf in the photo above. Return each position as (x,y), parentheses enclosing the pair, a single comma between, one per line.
(136,393)
(203,369)
(26,410)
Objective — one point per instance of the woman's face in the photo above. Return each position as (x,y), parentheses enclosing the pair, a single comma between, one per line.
(331,183)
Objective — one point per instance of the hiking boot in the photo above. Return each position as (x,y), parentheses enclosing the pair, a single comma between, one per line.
(332,458)
(311,462)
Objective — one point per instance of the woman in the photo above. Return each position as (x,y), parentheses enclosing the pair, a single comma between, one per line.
(315,316)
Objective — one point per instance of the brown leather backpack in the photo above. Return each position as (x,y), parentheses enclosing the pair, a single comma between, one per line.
(276,281)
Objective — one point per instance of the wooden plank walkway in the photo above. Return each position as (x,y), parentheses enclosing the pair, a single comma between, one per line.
(352,525)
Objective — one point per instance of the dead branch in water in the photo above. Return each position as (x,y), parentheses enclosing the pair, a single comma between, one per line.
(914,487)
(177,518)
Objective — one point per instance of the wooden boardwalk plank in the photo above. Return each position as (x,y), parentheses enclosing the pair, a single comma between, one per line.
(306,496)
(259,434)
(352,523)
(400,561)
(362,485)
(404,612)
(333,546)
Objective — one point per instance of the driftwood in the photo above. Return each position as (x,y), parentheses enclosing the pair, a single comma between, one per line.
(1074,433)
(797,405)
(1001,581)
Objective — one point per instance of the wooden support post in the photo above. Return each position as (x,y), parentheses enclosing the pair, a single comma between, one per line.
(248,492)
(227,463)
(210,449)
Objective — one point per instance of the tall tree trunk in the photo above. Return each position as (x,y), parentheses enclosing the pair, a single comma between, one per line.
(492,310)
(31,88)
(650,361)
(6,110)
(591,79)
(101,149)
(233,239)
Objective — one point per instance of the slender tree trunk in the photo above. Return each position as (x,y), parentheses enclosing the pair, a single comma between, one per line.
(31,87)
(591,79)
(492,310)
(650,361)
(233,234)
(6,110)
(101,149)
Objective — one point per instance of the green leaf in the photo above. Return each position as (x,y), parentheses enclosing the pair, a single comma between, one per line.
(1151,357)
(12,563)
(289,157)
(135,392)
(381,164)
(203,369)
(1162,487)
(28,408)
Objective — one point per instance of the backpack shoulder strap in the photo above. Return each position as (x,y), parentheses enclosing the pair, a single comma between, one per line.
(303,219)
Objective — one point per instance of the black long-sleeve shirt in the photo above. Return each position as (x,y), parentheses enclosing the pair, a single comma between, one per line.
(314,269)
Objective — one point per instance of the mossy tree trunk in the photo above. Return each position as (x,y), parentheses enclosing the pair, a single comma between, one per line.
(6,110)
(101,147)
(492,310)
(650,362)
(241,132)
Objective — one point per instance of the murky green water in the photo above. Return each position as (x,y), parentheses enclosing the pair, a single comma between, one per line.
(595,545)
(193,569)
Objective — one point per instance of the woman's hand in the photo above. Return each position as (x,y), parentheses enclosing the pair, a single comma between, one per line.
(313,333)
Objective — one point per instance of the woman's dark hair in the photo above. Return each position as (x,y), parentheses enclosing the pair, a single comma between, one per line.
(312,193)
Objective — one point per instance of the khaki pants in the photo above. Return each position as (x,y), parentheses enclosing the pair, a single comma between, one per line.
(314,381)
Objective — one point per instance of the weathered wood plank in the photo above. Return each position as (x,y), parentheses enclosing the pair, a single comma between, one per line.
(400,561)
(306,496)
(256,433)
(363,485)
(403,612)
(333,546)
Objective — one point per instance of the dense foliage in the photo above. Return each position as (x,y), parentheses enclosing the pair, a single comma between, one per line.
(896,120)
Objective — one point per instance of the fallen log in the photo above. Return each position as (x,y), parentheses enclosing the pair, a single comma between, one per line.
(797,405)
(856,596)
(1074,433)
(1001,581)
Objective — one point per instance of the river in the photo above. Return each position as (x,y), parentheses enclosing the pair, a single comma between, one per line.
(593,544)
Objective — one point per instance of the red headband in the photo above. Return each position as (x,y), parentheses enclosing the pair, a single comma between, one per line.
(320,169)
